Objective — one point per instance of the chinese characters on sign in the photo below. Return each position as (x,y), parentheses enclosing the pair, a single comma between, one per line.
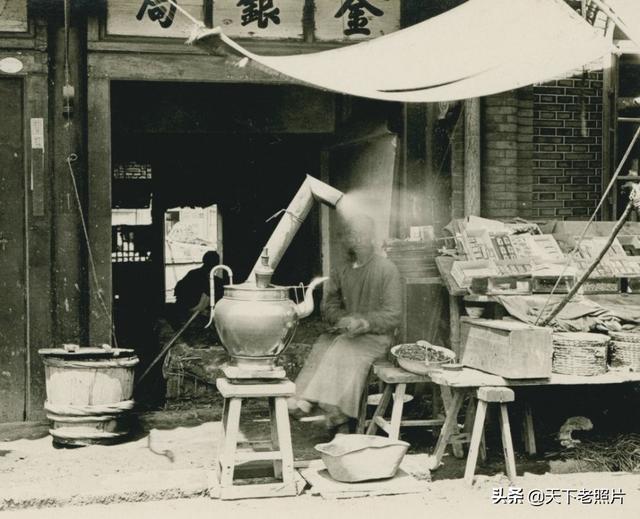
(355,19)
(155,18)
(358,21)
(260,12)
(268,19)
(557,496)
(333,20)
(160,11)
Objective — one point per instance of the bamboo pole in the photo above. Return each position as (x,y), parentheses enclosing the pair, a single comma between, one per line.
(634,201)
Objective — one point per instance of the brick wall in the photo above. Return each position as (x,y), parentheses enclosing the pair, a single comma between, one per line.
(567,158)
(507,152)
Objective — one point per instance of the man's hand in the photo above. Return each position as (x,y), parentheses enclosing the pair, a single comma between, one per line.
(202,304)
(353,326)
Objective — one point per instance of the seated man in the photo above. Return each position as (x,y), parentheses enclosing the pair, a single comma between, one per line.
(362,306)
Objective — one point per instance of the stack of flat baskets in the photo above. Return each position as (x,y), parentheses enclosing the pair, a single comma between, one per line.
(625,350)
(414,259)
(579,353)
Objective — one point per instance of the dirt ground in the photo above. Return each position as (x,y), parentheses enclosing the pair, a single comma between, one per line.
(449,498)
(170,453)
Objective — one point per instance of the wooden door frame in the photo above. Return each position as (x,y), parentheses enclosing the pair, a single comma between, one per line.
(36,225)
(103,68)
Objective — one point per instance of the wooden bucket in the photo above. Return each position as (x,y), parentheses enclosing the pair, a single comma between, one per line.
(88,394)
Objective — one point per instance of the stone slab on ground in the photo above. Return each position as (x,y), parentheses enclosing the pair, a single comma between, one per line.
(324,485)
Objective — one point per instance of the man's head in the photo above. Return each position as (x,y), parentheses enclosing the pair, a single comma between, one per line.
(359,235)
(210,259)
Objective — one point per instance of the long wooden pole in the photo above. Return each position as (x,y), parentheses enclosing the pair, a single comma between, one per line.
(596,261)
(165,349)
(472,159)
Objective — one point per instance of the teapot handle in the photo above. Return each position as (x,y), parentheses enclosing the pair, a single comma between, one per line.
(212,289)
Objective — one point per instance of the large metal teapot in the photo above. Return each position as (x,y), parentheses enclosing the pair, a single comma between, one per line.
(256,322)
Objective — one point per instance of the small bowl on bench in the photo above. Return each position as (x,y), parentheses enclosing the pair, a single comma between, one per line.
(403,353)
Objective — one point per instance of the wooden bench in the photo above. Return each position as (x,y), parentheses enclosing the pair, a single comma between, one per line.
(394,382)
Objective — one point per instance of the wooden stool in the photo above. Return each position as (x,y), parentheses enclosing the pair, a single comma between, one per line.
(487,395)
(282,453)
(394,382)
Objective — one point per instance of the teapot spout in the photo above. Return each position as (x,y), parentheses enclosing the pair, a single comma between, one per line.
(305,308)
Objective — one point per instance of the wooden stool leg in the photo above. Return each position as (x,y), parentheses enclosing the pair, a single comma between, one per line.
(507,444)
(436,410)
(362,413)
(476,436)
(468,426)
(450,425)
(396,411)
(380,409)
(222,435)
(284,440)
(275,443)
(528,431)
(227,455)
(445,392)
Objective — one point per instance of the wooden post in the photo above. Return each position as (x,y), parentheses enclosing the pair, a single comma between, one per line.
(472,158)
(99,209)
(67,136)
(454,324)
(528,431)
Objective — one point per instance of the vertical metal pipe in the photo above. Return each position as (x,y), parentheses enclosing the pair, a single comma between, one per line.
(310,190)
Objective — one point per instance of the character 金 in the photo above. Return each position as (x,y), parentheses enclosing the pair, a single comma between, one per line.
(358,21)
(260,11)
(160,11)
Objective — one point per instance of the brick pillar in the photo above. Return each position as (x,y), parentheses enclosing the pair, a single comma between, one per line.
(525,152)
(500,156)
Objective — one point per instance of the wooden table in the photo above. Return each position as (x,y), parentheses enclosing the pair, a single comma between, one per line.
(469,380)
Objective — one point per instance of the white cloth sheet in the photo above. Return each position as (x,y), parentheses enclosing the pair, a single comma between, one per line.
(479,48)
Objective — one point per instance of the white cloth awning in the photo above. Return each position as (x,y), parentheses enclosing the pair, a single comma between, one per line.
(628,13)
(479,48)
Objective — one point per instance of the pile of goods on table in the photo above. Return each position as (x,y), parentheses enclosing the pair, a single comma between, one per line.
(518,266)
(497,258)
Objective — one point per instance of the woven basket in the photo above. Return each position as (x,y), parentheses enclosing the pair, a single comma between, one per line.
(626,336)
(625,354)
(583,354)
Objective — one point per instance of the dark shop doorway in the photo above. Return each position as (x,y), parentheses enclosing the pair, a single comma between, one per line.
(202,167)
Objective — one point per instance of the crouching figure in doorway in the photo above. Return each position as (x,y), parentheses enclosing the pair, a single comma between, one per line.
(362,307)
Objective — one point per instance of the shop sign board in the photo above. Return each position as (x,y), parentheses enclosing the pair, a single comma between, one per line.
(13,16)
(330,20)
(273,19)
(152,18)
(356,19)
